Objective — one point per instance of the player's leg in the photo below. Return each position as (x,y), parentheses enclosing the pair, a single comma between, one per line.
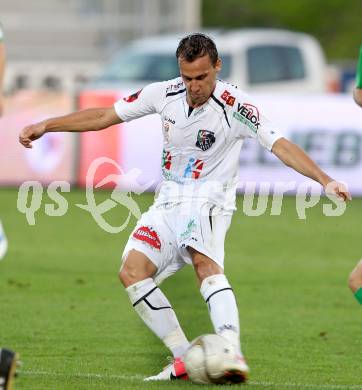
(223,310)
(3,242)
(202,240)
(219,296)
(150,257)
(203,234)
(150,303)
(355,281)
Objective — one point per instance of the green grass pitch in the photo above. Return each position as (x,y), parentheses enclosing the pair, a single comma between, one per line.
(64,310)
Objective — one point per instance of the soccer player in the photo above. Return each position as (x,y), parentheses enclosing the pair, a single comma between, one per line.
(204,123)
(3,240)
(355,277)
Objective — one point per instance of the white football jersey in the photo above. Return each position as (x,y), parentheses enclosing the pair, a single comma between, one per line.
(201,145)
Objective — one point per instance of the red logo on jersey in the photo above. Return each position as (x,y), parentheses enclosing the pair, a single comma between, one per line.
(148,235)
(228,98)
(166,160)
(133,97)
(194,168)
(199,164)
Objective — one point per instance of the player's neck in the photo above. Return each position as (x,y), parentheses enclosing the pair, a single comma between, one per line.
(195,104)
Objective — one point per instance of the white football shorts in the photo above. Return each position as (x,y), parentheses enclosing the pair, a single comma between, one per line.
(165,231)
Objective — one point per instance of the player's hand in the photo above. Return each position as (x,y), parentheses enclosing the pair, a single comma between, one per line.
(338,189)
(31,133)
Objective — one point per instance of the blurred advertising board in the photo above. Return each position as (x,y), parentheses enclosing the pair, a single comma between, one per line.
(93,145)
(54,156)
(136,146)
(328,127)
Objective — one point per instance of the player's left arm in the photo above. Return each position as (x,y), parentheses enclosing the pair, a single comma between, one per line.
(293,156)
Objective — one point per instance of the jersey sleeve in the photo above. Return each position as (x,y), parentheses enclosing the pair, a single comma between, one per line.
(148,100)
(250,122)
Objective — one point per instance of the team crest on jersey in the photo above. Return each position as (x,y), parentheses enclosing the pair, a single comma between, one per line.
(133,97)
(148,235)
(205,139)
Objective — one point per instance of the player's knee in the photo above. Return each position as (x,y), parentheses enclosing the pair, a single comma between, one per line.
(129,275)
(135,267)
(125,277)
(204,266)
(355,277)
(352,281)
(357,94)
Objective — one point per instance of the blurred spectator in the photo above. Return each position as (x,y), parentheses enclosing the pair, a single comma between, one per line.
(2,70)
(3,240)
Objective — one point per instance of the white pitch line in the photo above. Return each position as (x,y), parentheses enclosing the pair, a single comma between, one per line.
(307,385)
(81,375)
(141,377)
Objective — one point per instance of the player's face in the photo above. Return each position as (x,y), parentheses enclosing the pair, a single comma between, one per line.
(199,77)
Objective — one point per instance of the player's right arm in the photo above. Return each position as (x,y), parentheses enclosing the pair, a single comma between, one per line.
(92,119)
(144,102)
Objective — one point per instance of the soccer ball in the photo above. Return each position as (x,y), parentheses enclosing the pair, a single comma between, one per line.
(208,359)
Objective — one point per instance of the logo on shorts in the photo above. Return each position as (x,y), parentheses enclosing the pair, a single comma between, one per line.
(133,97)
(148,235)
(205,139)
(191,227)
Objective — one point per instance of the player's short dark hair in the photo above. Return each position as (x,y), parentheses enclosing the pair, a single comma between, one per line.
(197,45)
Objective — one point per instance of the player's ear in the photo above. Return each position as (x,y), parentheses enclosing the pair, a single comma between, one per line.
(218,65)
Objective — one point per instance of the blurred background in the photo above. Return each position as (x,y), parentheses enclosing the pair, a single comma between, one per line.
(298,59)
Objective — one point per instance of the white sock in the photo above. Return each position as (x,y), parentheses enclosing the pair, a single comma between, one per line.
(223,310)
(3,242)
(155,310)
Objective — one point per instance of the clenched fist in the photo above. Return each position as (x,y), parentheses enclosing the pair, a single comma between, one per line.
(31,133)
